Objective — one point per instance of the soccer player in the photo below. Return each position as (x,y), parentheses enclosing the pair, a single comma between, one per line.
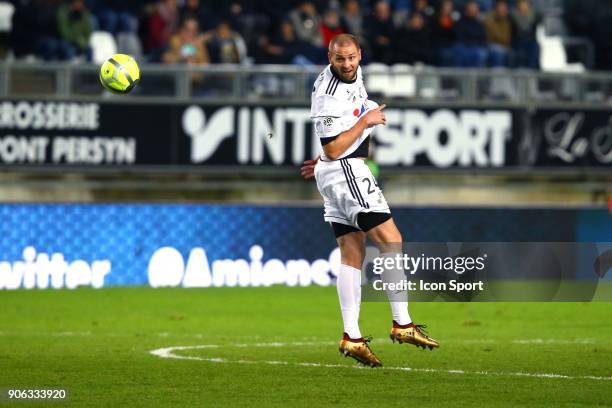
(355,207)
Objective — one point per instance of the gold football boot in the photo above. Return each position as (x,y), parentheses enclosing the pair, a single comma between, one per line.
(359,350)
(413,334)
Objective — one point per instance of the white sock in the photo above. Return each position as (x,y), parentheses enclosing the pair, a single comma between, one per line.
(399,311)
(397,299)
(348,285)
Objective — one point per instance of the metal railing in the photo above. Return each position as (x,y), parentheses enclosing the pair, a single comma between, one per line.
(263,84)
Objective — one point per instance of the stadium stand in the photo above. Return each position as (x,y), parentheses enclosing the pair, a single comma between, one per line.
(388,30)
(408,45)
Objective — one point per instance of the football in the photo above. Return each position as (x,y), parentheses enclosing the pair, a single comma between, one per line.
(120,74)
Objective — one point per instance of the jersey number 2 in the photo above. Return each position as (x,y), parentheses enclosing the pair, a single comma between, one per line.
(369,183)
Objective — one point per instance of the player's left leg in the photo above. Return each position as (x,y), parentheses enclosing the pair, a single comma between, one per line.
(389,241)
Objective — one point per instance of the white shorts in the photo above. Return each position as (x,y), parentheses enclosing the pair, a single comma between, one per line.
(348,189)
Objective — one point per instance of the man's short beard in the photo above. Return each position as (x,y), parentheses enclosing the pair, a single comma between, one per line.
(350,75)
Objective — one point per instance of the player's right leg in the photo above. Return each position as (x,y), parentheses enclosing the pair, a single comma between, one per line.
(348,283)
(352,251)
(389,241)
(333,186)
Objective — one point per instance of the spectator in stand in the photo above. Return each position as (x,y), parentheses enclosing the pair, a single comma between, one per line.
(401,11)
(525,22)
(275,49)
(24,31)
(275,10)
(306,23)
(249,19)
(74,22)
(35,31)
(591,19)
(162,24)
(117,16)
(485,5)
(381,32)
(412,42)
(498,28)
(187,45)
(195,8)
(238,15)
(353,20)
(286,48)
(580,15)
(331,26)
(423,8)
(225,45)
(471,49)
(443,34)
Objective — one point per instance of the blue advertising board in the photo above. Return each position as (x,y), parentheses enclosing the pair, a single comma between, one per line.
(200,245)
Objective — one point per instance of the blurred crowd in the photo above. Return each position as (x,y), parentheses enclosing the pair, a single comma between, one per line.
(453,33)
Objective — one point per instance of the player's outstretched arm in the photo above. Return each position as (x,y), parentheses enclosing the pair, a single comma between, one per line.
(307,170)
(338,146)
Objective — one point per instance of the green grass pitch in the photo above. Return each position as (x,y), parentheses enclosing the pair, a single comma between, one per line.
(277,346)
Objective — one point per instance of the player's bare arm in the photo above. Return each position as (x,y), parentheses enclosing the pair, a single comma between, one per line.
(339,145)
(344,140)
(307,169)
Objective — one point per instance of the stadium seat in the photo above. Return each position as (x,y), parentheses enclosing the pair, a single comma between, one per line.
(399,67)
(403,82)
(129,43)
(378,79)
(102,45)
(6,16)
(552,54)
(430,86)
(6,23)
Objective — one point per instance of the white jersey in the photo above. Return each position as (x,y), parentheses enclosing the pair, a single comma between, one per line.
(336,106)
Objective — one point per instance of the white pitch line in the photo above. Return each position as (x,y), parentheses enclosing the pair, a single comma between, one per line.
(554,341)
(169,352)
